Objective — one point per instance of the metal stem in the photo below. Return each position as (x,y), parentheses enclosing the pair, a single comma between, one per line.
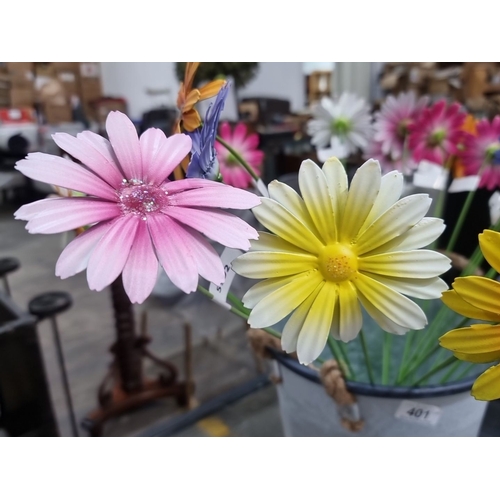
(62,366)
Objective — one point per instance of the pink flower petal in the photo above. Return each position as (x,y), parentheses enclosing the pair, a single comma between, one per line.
(104,148)
(161,156)
(207,259)
(83,148)
(64,173)
(172,245)
(239,133)
(111,252)
(75,257)
(225,131)
(31,210)
(220,196)
(141,269)
(185,184)
(225,228)
(123,137)
(64,214)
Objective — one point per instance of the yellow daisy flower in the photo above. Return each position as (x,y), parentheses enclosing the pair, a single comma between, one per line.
(336,249)
(478,297)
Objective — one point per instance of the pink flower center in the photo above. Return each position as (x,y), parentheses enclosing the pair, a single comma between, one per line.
(137,198)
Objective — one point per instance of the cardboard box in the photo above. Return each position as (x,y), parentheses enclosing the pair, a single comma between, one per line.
(70,80)
(90,89)
(104,106)
(72,67)
(45,69)
(57,114)
(20,97)
(20,67)
(51,91)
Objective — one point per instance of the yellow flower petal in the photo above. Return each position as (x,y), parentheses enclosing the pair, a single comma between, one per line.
(211,89)
(474,339)
(191,99)
(351,319)
(391,187)
(415,264)
(395,306)
(489,241)
(365,186)
(484,357)
(317,198)
(394,222)
(262,289)
(283,301)
(480,292)
(336,179)
(420,235)
(295,323)
(280,221)
(487,386)
(454,301)
(271,243)
(290,199)
(273,264)
(314,334)
(425,288)
(381,319)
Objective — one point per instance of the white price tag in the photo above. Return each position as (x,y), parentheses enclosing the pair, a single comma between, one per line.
(220,291)
(494,204)
(430,175)
(419,413)
(460,184)
(261,187)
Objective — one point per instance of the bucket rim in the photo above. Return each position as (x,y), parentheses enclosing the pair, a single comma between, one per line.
(377,390)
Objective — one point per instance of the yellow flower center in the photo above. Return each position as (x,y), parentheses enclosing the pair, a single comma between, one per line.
(337,262)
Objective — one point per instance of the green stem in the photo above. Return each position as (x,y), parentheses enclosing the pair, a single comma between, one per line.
(337,354)
(437,369)
(239,311)
(243,163)
(367,357)
(449,373)
(386,358)
(408,341)
(343,350)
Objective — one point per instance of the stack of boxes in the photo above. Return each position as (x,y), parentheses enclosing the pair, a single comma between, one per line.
(55,89)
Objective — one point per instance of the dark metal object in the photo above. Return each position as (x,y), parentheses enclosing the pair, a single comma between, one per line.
(25,403)
(7,266)
(47,305)
(125,387)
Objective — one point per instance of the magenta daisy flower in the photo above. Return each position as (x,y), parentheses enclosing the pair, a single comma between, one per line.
(480,151)
(435,135)
(137,216)
(245,145)
(392,122)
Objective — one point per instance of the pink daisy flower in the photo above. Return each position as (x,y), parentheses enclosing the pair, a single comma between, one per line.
(138,216)
(392,122)
(435,135)
(246,146)
(480,151)
(387,162)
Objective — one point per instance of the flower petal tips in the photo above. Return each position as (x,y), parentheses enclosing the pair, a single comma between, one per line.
(138,217)
(478,298)
(336,250)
